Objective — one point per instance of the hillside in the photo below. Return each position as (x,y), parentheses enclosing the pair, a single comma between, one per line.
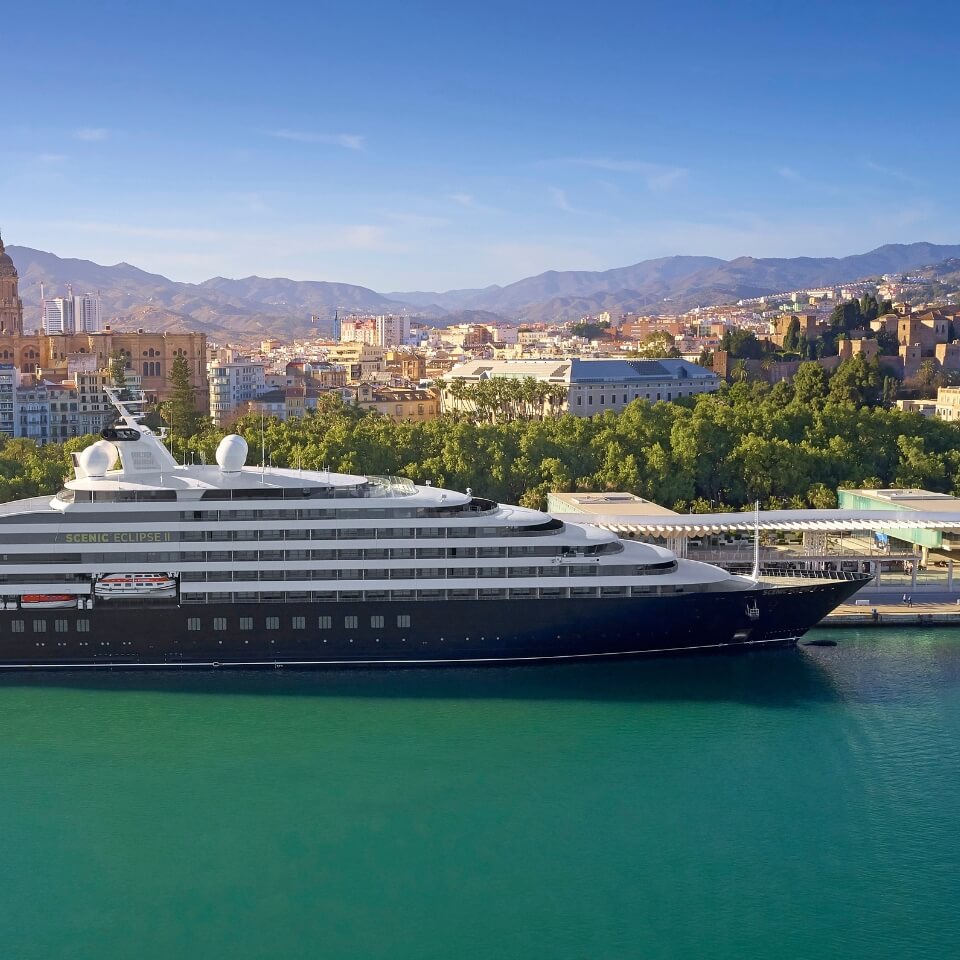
(258,306)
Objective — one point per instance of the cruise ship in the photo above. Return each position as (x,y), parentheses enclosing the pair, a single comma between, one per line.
(140,561)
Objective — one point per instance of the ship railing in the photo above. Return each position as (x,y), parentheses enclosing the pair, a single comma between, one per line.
(779,572)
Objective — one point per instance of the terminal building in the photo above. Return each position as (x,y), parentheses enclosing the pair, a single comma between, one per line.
(909,501)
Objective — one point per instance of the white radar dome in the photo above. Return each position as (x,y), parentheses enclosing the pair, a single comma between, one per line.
(232,453)
(98,458)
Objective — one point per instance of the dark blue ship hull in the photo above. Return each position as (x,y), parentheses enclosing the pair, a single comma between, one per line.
(412,632)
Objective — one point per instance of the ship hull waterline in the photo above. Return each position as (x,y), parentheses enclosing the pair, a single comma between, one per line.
(393,634)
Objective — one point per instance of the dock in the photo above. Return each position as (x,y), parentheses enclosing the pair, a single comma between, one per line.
(894,614)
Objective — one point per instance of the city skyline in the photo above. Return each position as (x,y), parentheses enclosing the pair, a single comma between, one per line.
(429,149)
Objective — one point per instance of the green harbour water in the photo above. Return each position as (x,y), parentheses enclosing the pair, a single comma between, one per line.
(795,804)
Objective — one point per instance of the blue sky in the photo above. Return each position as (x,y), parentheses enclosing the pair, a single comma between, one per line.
(434,145)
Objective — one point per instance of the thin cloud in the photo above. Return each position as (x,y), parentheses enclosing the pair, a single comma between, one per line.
(91,134)
(52,159)
(349,141)
(658,176)
(560,200)
(893,172)
(470,202)
(813,186)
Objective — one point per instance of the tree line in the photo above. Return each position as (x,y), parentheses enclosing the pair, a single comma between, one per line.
(789,445)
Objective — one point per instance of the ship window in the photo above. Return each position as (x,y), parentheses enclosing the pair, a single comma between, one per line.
(298,623)
(376,622)
(193,623)
(219,623)
(431,594)
(83,626)
(403,620)
(324,623)
(246,623)
(39,626)
(273,623)
(350,623)
(16,626)
(61,626)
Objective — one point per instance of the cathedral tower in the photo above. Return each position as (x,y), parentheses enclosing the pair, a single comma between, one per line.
(11,306)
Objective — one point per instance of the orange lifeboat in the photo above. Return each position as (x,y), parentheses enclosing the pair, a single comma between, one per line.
(48,601)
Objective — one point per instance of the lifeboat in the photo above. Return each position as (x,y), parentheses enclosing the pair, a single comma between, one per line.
(47,601)
(120,585)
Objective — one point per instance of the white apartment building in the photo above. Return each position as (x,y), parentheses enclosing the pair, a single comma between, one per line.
(57,315)
(72,314)
(232,384)
(392,331)
(87,313)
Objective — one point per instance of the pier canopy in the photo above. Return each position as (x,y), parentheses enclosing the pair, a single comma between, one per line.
(921,517)
(786,521)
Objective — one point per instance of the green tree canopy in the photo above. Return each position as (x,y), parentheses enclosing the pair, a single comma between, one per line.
(180,410)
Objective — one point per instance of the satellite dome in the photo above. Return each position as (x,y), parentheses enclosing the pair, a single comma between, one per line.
(232,453)
(98,458)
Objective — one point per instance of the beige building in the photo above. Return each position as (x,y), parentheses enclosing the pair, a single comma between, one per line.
(409,366)
(361,360)
(399,403)
(948,404)
(869,348)
(926,408)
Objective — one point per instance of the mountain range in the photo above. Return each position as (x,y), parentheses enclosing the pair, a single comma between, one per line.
(258,306)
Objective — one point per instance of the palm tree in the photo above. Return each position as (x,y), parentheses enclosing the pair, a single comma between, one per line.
(440,385)
(558,398)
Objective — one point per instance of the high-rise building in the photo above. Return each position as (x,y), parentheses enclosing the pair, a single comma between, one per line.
(232,384)
(392,331)
(71,314)
(11,306)
(58,315)
(86,313)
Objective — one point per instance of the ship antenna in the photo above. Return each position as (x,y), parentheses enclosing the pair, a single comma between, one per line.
(756,540)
